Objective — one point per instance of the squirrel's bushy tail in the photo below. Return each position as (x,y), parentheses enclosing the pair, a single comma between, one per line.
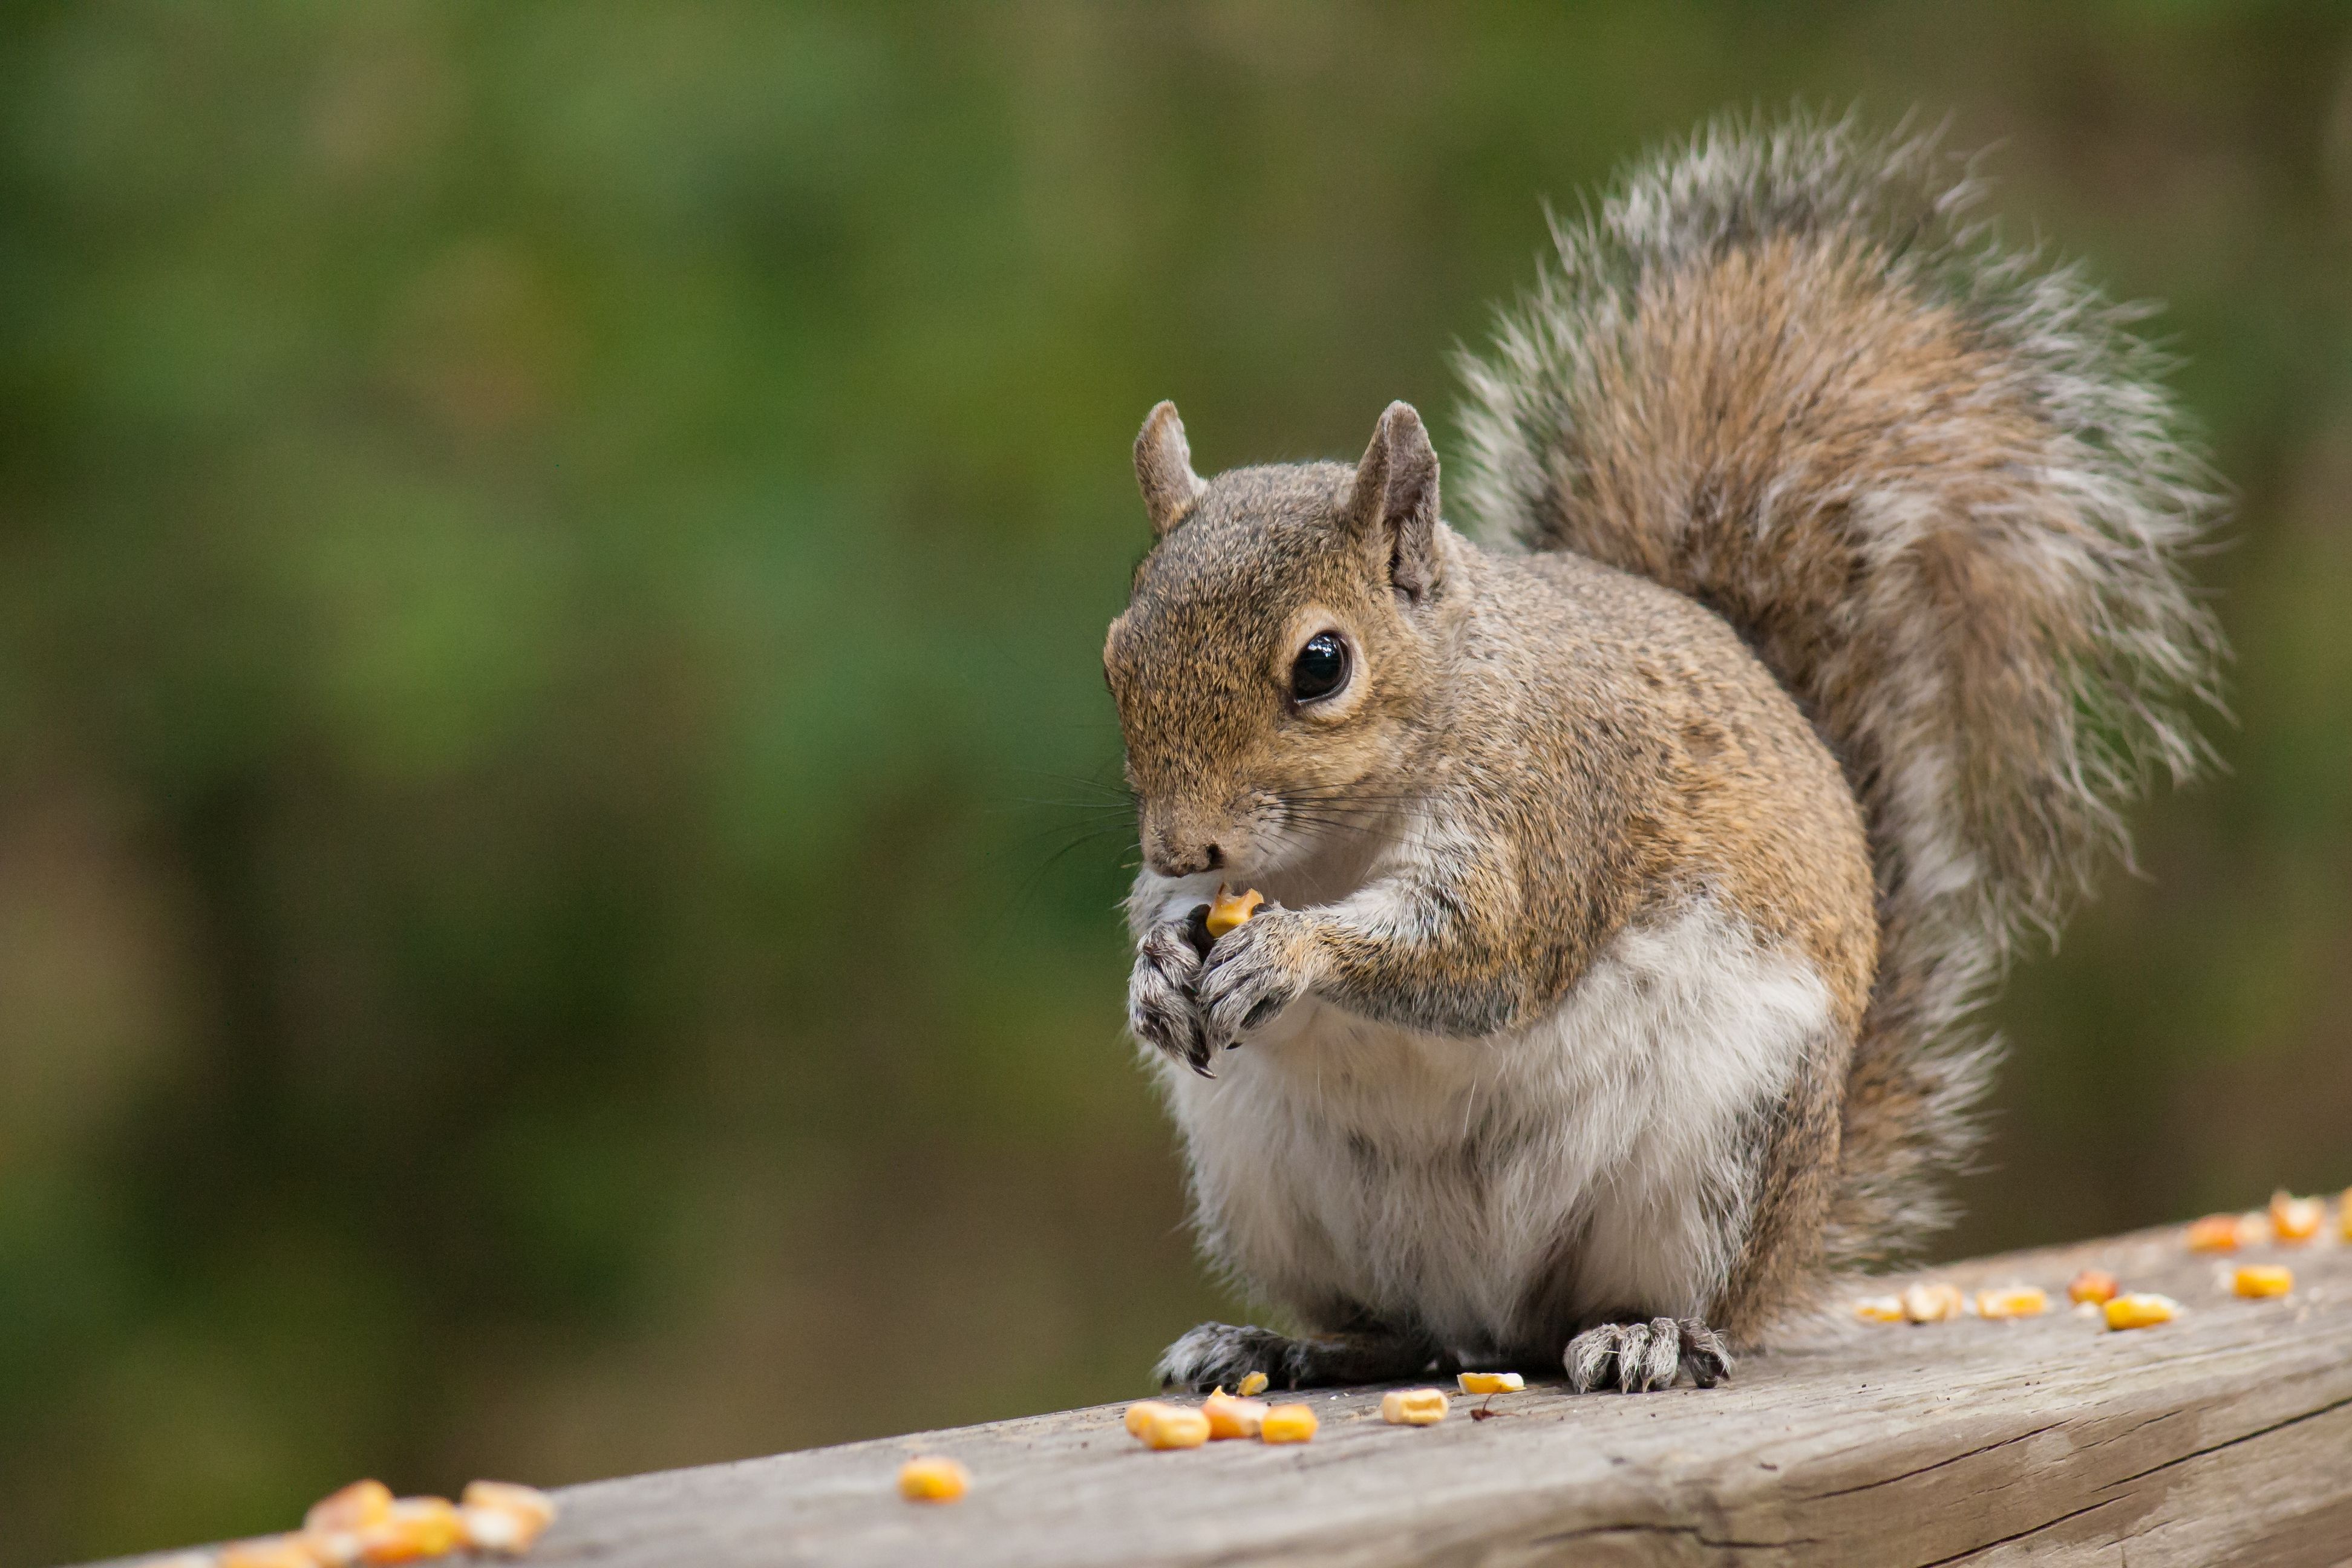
(1939,487)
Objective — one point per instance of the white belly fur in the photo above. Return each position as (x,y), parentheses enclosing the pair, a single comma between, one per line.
(1442,1181)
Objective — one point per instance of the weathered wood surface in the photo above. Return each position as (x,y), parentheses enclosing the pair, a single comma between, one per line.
(2225,1437)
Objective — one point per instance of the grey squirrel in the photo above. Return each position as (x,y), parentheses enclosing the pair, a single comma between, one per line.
(1637,857)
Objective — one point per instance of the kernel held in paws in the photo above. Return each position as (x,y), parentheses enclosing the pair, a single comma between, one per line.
(2016,1301)
(2140,1310)
(933,1479)
(1230,910)
(2296,1219)
(1413,1406)
(2094,1284)
(1490,1382)
(2262,1279)
(1288,1424)
(1252,1385)
(1174,1426)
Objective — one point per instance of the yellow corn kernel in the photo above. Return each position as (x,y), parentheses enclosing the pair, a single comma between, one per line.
(416,1527)
(1933,1303)
(269,1552)
(1288,1424)
(1879,1309)
(501,1516)
(2094,1284)
(2344,1215)
(1413,1406)
(2217,1233)
(933,1479)
(1255,1384)
(1174,1426)
(355,1506)
(1231,1418)
(1140,1415)
(1230,910)
(2262,1279)
(2296,1219)
(1490,1382)
(2139,1311)
(2015,1301)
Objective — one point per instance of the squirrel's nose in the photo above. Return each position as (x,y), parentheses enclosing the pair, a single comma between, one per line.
(1169,861)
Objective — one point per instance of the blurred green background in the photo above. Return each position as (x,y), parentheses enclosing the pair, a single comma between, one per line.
(555,896)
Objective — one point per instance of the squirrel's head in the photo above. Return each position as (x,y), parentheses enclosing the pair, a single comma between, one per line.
(1270,668)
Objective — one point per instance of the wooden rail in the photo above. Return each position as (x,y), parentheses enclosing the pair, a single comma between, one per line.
(2224,1437)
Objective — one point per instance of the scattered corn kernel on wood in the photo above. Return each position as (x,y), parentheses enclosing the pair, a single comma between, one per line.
(354,1507)
(1933,1303)
(1490,1382)
(2259,1279)
(1288,1424)
(2296,1219)
(2140,1310)
(2013,1301)
(931,1478)
(1255,1384)
(1140,1415)
(1174,1426)
(503,1517)
(1879,1309)
(2217,1233)
(2344,1215)
(1413,1406)
(417,1527)
(1229,910)
(1231,1417)
(2092,1285)
(269,1552)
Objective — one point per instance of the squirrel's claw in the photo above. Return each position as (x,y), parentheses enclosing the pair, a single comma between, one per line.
(1249,978)
(1637,1358)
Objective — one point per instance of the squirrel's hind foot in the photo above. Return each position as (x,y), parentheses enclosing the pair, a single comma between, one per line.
(1222,1354)
(1639,1357)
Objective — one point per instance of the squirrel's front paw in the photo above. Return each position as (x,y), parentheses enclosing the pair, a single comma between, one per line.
(1253,972)
(1161,1007)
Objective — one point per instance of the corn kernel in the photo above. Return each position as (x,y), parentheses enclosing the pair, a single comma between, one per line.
(501,1516)
(2217,1233)
(334,1548)
(1413,1406)
(1255,1384)
(2138,1311)
(1174,1426)
(2094,1284)
(2344,1215)
(1490,1382)
(2296,1219)
(1231,1418)
(1140,1415)
(416,1527)
(2262,1279)
(2015,1301)
(1879,1309)
(1229,910)
(269,1552)
(1933,1302)
(355,1506)
(1288,1424)
(933,1479)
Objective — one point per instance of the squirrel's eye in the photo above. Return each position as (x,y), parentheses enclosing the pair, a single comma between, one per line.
(1320,670)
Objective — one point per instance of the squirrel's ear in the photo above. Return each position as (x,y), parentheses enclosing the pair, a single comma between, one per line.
(1393,507)
(1163,467)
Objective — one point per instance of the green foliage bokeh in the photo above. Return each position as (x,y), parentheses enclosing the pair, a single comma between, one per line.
(556,848)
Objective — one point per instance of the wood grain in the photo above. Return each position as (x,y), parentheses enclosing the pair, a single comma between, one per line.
(2225,1437)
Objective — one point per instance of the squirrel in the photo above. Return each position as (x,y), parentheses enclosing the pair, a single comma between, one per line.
(1638,857)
